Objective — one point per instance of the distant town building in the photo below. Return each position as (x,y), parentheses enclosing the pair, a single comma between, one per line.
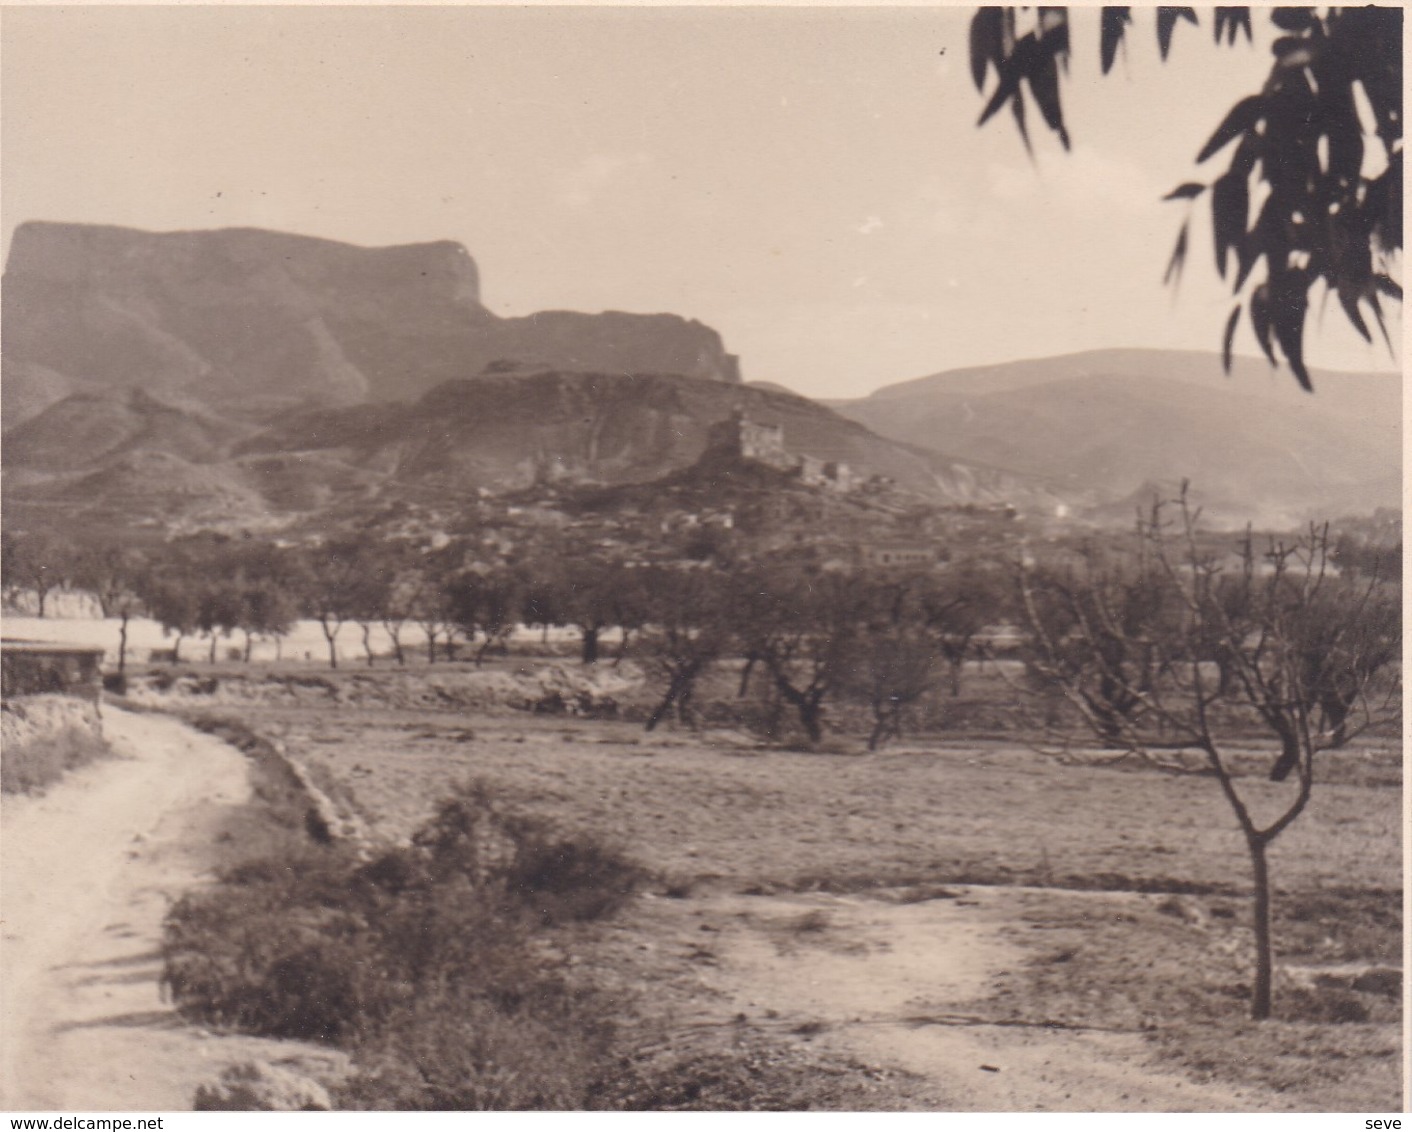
(741,438)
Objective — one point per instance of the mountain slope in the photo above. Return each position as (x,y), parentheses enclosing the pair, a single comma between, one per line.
(512,429)
(87,429)
(257,322)
(141,461)
(1104,423)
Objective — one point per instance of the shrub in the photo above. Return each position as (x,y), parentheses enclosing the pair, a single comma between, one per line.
(44,737)
(422,960)
(470,1054)
(753,1075)
(32,766)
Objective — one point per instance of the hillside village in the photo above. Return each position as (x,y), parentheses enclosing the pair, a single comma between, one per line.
(636,732)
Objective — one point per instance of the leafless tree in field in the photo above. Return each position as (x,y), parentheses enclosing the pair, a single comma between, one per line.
(1176,648)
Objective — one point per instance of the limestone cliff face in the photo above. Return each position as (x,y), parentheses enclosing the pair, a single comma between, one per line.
(612,342)
(256,321)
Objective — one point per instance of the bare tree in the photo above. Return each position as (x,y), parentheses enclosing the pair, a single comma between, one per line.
(897,666)
(1273,637)
(955,606)
(1097,633)
(170,596)
(39,561)
(485,601)
(805,631)
(339,579)
(686,634)
(113,574)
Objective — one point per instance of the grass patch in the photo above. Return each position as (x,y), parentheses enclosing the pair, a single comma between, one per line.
(45,737)
(284,819)
(1179,970)
(755,1075)
(41,762)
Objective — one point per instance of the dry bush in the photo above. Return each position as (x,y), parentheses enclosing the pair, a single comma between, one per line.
(424,961)
(751,1075)
(44,737)
(42,762)
(465,1052)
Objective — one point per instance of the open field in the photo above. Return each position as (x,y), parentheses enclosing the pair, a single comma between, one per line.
(969,921)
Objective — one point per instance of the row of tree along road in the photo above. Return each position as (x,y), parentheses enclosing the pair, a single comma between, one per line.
(1167,646)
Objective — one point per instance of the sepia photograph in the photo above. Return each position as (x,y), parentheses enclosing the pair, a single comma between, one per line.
(712,558)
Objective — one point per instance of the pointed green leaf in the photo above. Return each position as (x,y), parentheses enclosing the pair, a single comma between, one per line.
(1243,116)
(1174,266)
(1289,302)
(987,30)
(1228,338)
(1017,108)
(1188,191)
(1115,23)
(1013,71)
(1044,85)
(1348,299)
(1230,201)
(1382,326)
(1388,286)
(1167,21)
(1260,320)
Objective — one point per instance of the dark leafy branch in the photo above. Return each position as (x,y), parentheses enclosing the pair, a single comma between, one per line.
(1303,192)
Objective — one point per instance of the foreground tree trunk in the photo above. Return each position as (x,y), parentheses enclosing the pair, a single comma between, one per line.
(1261,991)
(122,644)
(678,696)
(623,646)
(330,635)
(395,635)
(887,725)
(745,673)
(809,707)
(590,644)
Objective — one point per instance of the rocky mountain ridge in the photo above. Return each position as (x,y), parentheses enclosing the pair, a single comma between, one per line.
(497,432)
(255,323)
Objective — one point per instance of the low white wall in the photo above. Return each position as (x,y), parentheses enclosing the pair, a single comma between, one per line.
(304,643)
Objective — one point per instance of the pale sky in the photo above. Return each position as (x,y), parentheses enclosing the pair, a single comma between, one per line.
(810,182)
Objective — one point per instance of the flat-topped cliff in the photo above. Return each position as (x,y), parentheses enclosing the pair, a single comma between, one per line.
(259,322)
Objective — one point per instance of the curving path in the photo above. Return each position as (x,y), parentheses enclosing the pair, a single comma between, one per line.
(894,984)
(87,871)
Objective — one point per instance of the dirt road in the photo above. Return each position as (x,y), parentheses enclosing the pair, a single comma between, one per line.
(896,985)
(87,872)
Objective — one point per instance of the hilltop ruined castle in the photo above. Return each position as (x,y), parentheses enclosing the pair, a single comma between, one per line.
(739,438)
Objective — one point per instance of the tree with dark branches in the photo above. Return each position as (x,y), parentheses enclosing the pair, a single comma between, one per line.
(685,635)
(1273,638)
(805,632)
(897,665)
(113,575)
(487,601)
(1303,190)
